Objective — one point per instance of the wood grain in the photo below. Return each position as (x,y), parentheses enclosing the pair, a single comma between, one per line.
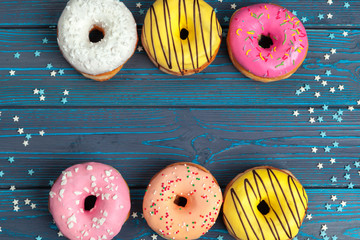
(39,13)
(17,224)
(140,142)
(220,84)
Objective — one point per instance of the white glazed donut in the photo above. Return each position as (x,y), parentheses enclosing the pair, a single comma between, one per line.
(98,59)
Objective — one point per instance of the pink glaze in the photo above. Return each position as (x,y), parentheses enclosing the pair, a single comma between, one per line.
(286,31)
(111,209)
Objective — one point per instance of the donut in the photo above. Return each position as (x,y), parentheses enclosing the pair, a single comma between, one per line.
(266,42)
(182,201)
(264,203)
(181,37)
(97,37)
(90,201)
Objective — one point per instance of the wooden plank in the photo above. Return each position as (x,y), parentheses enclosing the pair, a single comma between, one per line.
(226,141)
(46,13)
(139,83)
(28,223)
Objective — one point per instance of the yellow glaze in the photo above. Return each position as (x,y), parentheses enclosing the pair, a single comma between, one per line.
(161,35)
(284,195)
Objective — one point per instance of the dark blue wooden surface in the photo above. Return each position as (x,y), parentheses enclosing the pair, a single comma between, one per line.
(142,119)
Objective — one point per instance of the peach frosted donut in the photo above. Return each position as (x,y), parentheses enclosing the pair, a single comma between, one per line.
(97,37)
(181,37)
(266,42)
(90,201)
(264,203)
(182,201)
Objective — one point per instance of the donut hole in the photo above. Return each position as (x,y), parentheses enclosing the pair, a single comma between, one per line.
(184,33)
(96,34)
(180,201)
(263,207)
(89,202)
(265,41)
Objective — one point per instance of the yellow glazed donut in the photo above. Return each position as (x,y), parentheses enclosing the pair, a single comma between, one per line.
(182,201)
(264,203)
(181,37)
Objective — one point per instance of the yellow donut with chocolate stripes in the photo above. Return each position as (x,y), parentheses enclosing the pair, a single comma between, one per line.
(264,203)
(181,37)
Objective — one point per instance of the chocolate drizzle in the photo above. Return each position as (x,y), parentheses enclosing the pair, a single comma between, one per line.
(173,48)
(291,202)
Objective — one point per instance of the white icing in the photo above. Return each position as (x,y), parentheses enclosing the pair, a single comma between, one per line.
(118,44)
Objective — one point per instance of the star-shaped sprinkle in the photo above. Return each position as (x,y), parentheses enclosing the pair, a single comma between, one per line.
(320,166)
(42,91)
(321,16)
(17,55)
(141,11)
(2,173)
(351,108)
(26,143)
(226,19)
(320,119)
(15,202)
(304,19)
(317,78)
(31,172)
(327,56)
(327,206)
(329,16)
(334,237)
(16,118)
(220,237)
(140,48)
(333,51)
(339,208)
(45,40)
(296,113)
(154,237)
(323,234)
(38,238)
(309,216)
(347,168)
(341,87)
(333,179)
(345,33)
(134,215)
(332,160)
(298,92)
(332,90)
(325,107)
(358,102)
(331,36)
(324,83)
(357,164)
(324,227)
(37,53)
(11,159)
(339,119)
(61,72)
(53,73)
(311,110)
(41,133)
(64,100)
(333,198)
(233,6)
(327,149)
(27,201)
(49,66)
(328,72)
(329,2)
(20,130)
(336,144)
(138,5)
(66,92)
(343,203)
(314,149)
(311,120)
(294,12)
(60,234)
(323,134)
(346,5)
(12,188)
(351,185)
(307,87)
(12,72)
(28,136)
(51,182)
(347,176)
(33,206)
(16,208)
(42,98)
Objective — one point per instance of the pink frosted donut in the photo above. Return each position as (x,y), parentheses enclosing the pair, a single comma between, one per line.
(90,201)
(266,42)
(182,201)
